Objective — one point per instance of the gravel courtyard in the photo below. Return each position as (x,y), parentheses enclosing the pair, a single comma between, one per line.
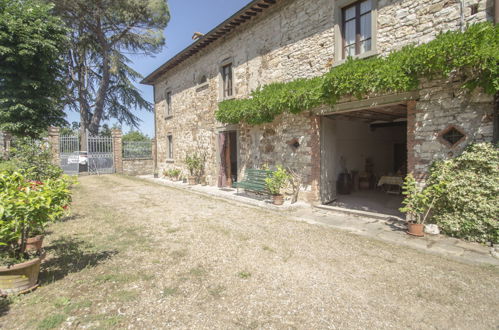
(140,255)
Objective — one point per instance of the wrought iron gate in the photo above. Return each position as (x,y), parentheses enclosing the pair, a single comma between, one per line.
(100,153)
(69,154)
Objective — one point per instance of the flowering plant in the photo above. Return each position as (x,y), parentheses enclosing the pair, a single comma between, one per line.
(26,207)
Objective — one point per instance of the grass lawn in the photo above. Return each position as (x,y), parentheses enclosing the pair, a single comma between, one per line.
(139,255)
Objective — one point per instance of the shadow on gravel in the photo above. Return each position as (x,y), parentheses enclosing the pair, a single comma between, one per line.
(396,225)
(70,255)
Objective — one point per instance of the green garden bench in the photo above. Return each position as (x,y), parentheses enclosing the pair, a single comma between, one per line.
(254,180)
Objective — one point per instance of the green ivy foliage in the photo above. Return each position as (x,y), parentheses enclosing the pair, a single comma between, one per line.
(272,100)
(469,206)
(472,56)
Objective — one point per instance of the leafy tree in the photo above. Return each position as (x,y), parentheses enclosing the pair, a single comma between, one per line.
(135,136)
(70,130)
(102,33)
(31,44)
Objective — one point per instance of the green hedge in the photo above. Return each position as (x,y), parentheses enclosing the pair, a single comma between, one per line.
(469,207)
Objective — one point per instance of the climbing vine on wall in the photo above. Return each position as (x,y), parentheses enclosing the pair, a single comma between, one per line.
(472,56)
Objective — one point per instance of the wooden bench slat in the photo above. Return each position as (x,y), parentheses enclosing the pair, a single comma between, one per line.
(254,180)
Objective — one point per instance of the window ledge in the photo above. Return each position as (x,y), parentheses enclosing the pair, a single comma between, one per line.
(170,160)
(228,98)
(367,54)
(168,117)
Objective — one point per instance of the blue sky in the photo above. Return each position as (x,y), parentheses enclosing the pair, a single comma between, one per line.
(187,17)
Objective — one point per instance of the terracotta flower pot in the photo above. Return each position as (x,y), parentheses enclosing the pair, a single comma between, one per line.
(192,180)
(21,277)
(34,243)
(415,229)
(278,199)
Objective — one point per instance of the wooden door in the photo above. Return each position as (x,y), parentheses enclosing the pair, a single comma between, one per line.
(328,160)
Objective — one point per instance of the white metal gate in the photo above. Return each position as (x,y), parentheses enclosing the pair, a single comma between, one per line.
(100,153)
(69,154)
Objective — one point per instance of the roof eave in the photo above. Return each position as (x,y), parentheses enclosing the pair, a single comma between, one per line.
(254,8)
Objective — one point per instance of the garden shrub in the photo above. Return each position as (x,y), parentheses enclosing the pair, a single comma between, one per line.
(26,207)
(32,157)
(469,207)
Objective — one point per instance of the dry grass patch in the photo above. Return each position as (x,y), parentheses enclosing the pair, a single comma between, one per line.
(139,255)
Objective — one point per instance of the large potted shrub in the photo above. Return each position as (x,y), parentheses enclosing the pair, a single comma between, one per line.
(195,165)
(275,182)
(418,204)
(26,207)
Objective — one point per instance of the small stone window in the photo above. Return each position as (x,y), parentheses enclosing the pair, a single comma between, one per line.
(169,138)
(168,104)
(474,9)
(452,136)
(202,80)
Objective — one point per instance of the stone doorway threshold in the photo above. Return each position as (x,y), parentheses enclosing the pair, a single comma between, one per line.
(360,213)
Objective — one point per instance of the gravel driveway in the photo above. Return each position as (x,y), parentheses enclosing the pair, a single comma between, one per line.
(140,255)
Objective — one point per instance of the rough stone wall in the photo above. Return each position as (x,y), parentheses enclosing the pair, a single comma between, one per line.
(405,22)
(443,104)
(266,56)
(294,39)
(138,166)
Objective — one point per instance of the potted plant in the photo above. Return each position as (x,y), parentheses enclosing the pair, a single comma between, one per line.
(175,174)
(25,209)
(418,204)
(275,182)
(195,165)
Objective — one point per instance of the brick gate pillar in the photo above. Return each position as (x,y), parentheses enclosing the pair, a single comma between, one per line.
(117,150)
(155,157)
(54,141)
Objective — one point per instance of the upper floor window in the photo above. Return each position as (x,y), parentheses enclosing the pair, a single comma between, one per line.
(227,80)
(357,28)
(168,106)
(169,146)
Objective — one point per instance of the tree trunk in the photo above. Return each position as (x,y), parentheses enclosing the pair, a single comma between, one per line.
(104,84)
(495,118)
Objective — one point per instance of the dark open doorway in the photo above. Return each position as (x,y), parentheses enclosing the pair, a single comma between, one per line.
(228,158)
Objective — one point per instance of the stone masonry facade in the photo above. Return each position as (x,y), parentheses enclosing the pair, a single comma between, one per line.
(299,39)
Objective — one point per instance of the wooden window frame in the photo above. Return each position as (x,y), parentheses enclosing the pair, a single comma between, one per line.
(169,151)
(338,30)
(357,19)
(227,84)
(168,105)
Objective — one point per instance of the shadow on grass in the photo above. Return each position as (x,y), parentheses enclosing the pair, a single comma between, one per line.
(70,255)
(70,217)
(4,306)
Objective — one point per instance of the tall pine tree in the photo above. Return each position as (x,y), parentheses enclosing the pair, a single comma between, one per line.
(103,33)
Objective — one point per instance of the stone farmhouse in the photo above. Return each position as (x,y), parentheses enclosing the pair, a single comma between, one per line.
(282,40)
